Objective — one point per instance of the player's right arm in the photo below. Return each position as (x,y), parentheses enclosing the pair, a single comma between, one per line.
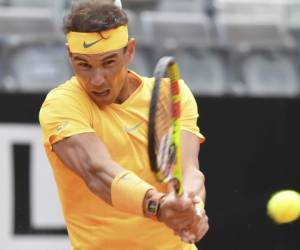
(88,157)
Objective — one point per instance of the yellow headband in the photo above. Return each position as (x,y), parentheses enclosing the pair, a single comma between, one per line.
(96,43)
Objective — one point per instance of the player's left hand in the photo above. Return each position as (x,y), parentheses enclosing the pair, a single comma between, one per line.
(197,229)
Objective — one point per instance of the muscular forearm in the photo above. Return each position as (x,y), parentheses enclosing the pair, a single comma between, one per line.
(86,156)
(99,178)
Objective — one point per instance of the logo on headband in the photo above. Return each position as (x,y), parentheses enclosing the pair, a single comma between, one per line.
(87,45)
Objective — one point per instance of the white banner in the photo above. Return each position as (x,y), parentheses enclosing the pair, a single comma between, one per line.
(45,210)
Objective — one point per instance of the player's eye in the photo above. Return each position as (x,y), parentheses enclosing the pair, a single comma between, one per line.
(84,65)
(109,62)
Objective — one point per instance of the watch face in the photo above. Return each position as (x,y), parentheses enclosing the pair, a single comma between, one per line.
(152,207)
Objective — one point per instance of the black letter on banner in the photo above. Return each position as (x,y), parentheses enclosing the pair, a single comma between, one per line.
(22,220)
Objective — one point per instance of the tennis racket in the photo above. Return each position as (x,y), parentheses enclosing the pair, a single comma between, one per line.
(164,144)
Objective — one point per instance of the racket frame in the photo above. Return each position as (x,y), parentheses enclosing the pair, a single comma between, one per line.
(167,68)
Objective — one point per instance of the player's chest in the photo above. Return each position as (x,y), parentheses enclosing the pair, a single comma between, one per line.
(120,128)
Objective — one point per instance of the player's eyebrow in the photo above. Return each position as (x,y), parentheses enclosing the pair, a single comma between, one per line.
(78,58)
(109,56)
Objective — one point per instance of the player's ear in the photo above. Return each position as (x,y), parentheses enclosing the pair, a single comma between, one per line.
(130,51)
(69,53)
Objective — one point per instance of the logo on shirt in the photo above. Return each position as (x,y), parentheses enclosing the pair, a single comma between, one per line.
(62,126)
(135,127)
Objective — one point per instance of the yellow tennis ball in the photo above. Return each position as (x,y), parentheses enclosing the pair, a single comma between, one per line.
(284,206)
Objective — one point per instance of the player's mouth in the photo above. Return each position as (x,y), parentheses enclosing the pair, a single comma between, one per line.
(102,93)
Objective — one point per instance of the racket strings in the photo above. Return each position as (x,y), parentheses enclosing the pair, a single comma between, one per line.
(163,117)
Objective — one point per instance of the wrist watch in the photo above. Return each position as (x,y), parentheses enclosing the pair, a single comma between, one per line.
(152,204)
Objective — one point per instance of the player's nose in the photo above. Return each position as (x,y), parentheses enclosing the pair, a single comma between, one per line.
(97,78)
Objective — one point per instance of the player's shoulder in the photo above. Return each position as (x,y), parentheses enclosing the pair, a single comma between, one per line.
(68,98)
(149,84)
(148,81)
(69,87)
(183,86)
(68,91)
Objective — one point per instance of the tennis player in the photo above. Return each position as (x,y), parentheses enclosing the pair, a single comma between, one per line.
(95,136)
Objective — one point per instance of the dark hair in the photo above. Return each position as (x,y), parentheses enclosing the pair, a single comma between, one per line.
(94,16)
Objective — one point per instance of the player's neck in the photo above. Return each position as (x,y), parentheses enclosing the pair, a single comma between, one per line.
(129,88)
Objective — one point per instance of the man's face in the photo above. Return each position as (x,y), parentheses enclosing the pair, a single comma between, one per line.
(104,76)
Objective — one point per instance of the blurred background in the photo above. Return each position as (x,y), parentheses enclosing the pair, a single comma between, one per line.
(241,60)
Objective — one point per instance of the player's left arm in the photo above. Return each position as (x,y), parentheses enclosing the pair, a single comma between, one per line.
(193,178)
